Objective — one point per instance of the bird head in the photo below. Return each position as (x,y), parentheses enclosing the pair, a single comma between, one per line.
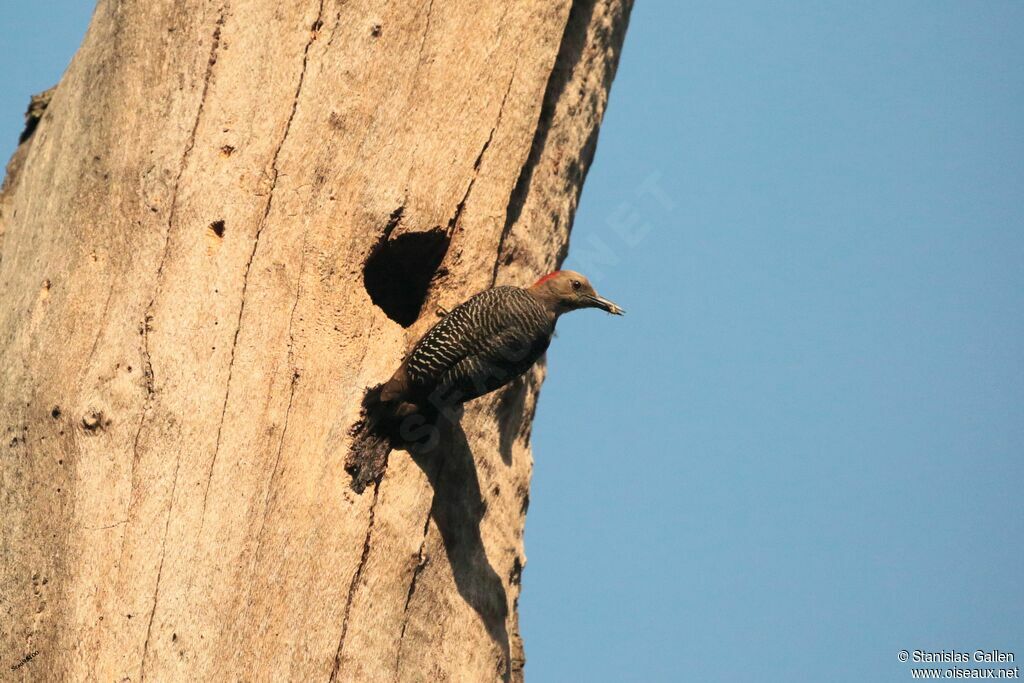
(567,290)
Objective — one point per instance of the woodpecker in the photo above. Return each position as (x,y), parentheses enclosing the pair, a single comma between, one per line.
(482,345)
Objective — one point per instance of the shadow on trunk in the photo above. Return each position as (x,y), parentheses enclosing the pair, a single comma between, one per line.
(457,509)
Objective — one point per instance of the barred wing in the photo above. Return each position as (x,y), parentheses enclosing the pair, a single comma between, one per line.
(481,345)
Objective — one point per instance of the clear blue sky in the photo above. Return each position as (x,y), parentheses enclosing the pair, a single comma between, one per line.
(803,448)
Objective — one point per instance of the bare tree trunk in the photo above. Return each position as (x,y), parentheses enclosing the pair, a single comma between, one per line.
(232,219)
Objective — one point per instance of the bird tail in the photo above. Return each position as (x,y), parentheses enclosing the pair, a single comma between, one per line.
(375,413)
(371,442)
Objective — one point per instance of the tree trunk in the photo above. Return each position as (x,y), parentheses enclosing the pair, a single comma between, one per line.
(232,219)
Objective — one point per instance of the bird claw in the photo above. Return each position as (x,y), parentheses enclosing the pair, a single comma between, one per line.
(441,311)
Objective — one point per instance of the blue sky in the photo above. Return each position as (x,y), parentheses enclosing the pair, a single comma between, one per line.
(802,450)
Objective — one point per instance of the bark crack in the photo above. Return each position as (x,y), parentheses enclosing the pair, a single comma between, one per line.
(274,175)
(453,222)
(159,573)
(426,31)
(291,397)
(570,51)
(105,526)
(102,319)
(355,583)
(506,228)
(334,29)
(419,56)
(273,472)
(147,359)
(508,89)
(421,563)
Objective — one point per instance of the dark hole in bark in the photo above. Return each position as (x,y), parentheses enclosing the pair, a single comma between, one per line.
(218,228)
(398,273)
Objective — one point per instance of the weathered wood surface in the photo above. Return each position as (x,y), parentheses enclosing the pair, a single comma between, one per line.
(187,325)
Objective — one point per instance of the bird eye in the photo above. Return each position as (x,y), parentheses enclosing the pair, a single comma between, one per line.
(576,284)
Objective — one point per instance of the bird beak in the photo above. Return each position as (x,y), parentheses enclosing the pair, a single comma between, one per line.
(605,305)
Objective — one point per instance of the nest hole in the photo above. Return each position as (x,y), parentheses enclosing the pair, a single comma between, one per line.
(398,272)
